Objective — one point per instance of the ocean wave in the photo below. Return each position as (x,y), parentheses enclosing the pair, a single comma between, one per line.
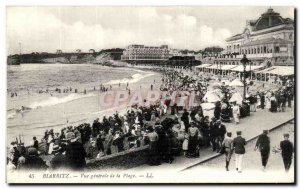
(51,101)
(133,79)
(11,115)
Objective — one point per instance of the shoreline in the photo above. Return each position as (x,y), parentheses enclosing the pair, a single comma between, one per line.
(87,117)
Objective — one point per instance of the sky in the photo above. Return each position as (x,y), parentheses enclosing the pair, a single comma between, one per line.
(46,29)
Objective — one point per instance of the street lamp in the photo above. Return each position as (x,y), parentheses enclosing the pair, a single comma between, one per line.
(244,61)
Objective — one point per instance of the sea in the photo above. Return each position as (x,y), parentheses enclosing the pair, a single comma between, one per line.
(45,108)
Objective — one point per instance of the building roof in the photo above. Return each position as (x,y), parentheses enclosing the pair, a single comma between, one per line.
(228,67)
(269,19)
(203,65)
(266,41)
(240,68)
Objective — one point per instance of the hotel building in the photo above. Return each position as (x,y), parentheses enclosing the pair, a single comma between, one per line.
(145,54)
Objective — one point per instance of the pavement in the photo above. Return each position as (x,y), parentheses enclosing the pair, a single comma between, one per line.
(251,127)
(252,168)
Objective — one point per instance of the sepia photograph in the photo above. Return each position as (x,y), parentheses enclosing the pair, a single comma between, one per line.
(150,94)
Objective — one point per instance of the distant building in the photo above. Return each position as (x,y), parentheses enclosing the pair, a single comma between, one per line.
(92,51)
(174,52)
(59,51)
(267,40)
(145,54)
(183,61)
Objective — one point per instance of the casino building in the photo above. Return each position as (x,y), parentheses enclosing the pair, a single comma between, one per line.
(267,41)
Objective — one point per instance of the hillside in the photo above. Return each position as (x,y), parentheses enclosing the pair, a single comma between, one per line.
(105,57)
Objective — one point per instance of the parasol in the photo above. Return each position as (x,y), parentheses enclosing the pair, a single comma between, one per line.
(236,83)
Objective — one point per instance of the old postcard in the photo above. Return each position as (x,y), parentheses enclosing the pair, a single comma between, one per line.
(179,94)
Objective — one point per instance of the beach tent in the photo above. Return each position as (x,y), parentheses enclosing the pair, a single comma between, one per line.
(211,96)
(208,106)
(237,97)
(236,83)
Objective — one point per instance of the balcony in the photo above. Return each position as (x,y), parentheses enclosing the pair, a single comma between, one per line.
(264,55)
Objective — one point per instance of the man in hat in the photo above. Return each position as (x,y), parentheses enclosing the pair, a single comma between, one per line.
(262,100)
(228,145)
(35,143)
(75,152)
(239,148)
(221,131)
(59,160)
(33,161)
(287,150)
(213,132)
(263,144)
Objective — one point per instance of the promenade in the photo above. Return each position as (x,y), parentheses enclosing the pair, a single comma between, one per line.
(251,127)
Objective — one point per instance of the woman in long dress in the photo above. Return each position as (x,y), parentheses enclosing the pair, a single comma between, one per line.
(273,103)
(267,100)
(236,113)
(193,133)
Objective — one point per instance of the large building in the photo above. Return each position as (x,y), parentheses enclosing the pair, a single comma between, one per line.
(145,54)
(269,40)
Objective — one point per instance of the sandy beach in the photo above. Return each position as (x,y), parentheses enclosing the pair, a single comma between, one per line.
(59,110)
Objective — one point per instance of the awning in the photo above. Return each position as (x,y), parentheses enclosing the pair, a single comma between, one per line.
(240,68)
(203,66)
(279,70)
(228,67)
(215,66)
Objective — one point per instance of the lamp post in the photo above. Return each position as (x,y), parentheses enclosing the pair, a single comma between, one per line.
(244,61)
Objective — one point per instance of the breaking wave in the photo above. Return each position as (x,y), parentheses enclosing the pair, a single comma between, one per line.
(51,101)
(133,79)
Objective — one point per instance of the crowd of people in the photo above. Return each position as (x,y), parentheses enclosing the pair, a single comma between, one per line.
(169,129)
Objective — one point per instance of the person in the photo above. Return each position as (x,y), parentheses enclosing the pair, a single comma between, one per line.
(221,130)
(228,147)
(59,160)
(213,132)
(225,113)
(289,98)
(262,100)
(287,150)
(99,141)
(217,111)
(273,107)
(35,143)
(263,144)
(96,127)
(236,113)
(33,161)
(15,153)
(185,144)
(22,150)
(193,133)
(75,153)
(239,148)
(185,119)
(253,101)
(153,145)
